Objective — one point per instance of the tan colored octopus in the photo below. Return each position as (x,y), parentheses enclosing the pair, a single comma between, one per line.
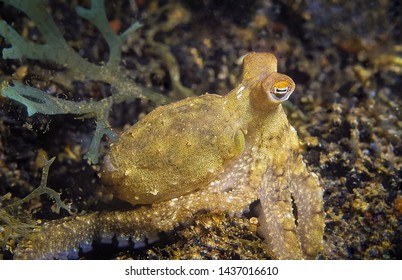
(205,153)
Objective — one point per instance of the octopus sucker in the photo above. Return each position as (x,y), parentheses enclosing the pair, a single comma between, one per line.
(69,234)
(205,153)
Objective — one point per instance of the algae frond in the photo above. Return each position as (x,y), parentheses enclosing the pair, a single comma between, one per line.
(56,50)
(14,223)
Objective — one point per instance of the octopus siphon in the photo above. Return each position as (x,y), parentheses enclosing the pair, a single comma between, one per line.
(205,153)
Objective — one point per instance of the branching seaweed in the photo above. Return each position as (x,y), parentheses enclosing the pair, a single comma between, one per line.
(44,189)
(56,50)
(13,225)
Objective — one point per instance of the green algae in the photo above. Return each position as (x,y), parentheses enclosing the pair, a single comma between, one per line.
(56,50)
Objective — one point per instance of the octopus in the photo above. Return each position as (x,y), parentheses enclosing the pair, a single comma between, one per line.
(205,153)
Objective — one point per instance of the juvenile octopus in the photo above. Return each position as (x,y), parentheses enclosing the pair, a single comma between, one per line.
(213,153)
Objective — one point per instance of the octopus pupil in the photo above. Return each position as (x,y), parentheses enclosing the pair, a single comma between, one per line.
(280,92)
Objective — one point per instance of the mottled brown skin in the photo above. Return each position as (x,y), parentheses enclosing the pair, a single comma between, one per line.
(206,153)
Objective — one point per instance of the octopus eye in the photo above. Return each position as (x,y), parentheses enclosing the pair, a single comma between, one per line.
(277,87)
(281,90)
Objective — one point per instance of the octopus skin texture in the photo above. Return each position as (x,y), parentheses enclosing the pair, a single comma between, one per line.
(209,153)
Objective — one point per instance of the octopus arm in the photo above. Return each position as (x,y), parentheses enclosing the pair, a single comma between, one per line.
(62,239)
(308,197)
(277,224)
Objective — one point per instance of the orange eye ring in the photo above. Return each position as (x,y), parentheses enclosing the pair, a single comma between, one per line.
(278,87)
(281,90)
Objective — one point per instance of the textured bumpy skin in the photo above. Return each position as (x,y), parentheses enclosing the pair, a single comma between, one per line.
(205,153)
(173,152)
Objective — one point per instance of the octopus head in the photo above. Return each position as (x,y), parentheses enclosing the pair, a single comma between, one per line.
(268,87)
